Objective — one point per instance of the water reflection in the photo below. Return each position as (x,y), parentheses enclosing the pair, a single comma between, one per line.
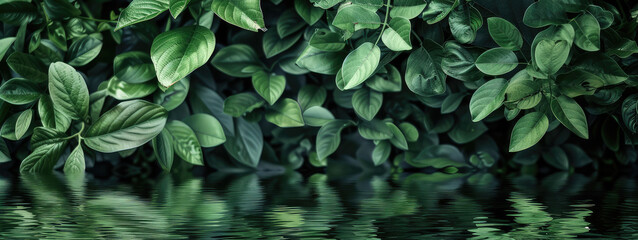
(414,206)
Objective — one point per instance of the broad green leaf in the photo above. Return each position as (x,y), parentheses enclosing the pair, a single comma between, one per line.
(398,139)
(353,17)
(272,44)
(57,35)
(487,98)
(587,32)
(459,62)
(121,90)
(5,44)
(554,35)
(60,9)
(43,158)
(325,40)
(28,66)
(360,64)
(438,156)
(75,161)
(464,22)
(319,61)
(543,13)
(602,66)
(43,136)
(185,143)
(239,104)
(466,130)
(629,113)
(557,158)
(571,115)
(410,132)
(504,33)
(551,55)
(176,7)
(244,14)
(5,155)
(311,95)
(285,113)
(578,82)
(325,4)
(247,143)
(309,13)
(205,100)
(374,130)
(19,91)
(269,86)
(437,10)
(605,18)
(424,77)
(317,116)
(133,67)
(17,125)
(173,96)
(381,153)
(180,51)
(407,8)
(367,103)
(17,12)
(128,125)
(497,61)
(140,11)
(387,79)
(50,116)
(528,131)
(163,149)
(329,137)
(83,51)
(452,102)
(397,36)
(68,90)
(237,60)
(288,23)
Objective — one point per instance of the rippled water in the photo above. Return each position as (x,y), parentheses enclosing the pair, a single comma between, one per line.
(416,206)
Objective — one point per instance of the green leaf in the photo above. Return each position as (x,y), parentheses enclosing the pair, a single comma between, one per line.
(374,130)
(397,36)
(180,51)
(325,40)
(424,77)
(75,161)
(239,104)
(398,139)
(128,125)
(487,98)
(551,55)
(451,102)
(176,7)
(83,51)
(60,9)
(504,33)
(163,149)
(185,143)
(556,157)
(587,32)
(367,103)
(381,153)
(603,66)
(578,82)
(571,115)
(272,44)
(28,66)
(285,113)
(43,158)
(68,90)
(629,113)
(50,116)
(407,8)
(19,91)
(360,64)
(603,17)
(459,62)
(309,13)
(237,60)
(317,116)
(288,23)
(543,13)
(244,14)
(497,61)
(17,125)
(17,12)
(5,44)
(5,155)
(311,95)
(247,143)
(466,131)
(353,17)
(140,11)
(174,96)
(329,137)
(437,10)
(319,61)
(122,90)
(269,86)
(133,67)
(409,131)
(325,4)
(464,22)
(528,131)
(438,156)
(205,100)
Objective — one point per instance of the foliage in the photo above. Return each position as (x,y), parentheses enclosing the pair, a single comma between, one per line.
(240,85)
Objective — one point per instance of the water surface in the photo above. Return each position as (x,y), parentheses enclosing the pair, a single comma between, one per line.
(291,206)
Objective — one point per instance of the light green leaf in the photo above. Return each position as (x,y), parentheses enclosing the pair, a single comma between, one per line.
(272,44)
(397,36)
(459,62)
(269,86)
(398,139)
(122,90)
(317,116)
(374,130)
(360,64)
(311,95)
(43,158)
(237,60)
(528,131)
(504,33)
(367,103)
(173,96)
(437,10)
(587,32)
(134,67)
(239,104)
(288,23)
(487,98)
(140,11)
(75,161)
(185,143)
(329,137)
(247,143)
(407,8)
(309,13)
(244,14)
(353,17)
(128,125)
(180,51)
(325,40)
(163,149)
(410,132)
(571,115)
(176,7)
(68,90)
(83,51)
(438,156)
(285,113)
(387,79)
(381,153)
(551,55)
(19,91)
(424,77)
(497,61)
(5,44)
(319,61)
(523,91)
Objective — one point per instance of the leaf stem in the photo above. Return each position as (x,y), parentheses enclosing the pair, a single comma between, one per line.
(77,134)
(385,21)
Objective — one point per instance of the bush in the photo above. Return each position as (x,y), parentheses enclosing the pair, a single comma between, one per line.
(443,84)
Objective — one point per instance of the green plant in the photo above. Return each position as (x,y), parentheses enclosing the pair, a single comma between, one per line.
(318,79)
